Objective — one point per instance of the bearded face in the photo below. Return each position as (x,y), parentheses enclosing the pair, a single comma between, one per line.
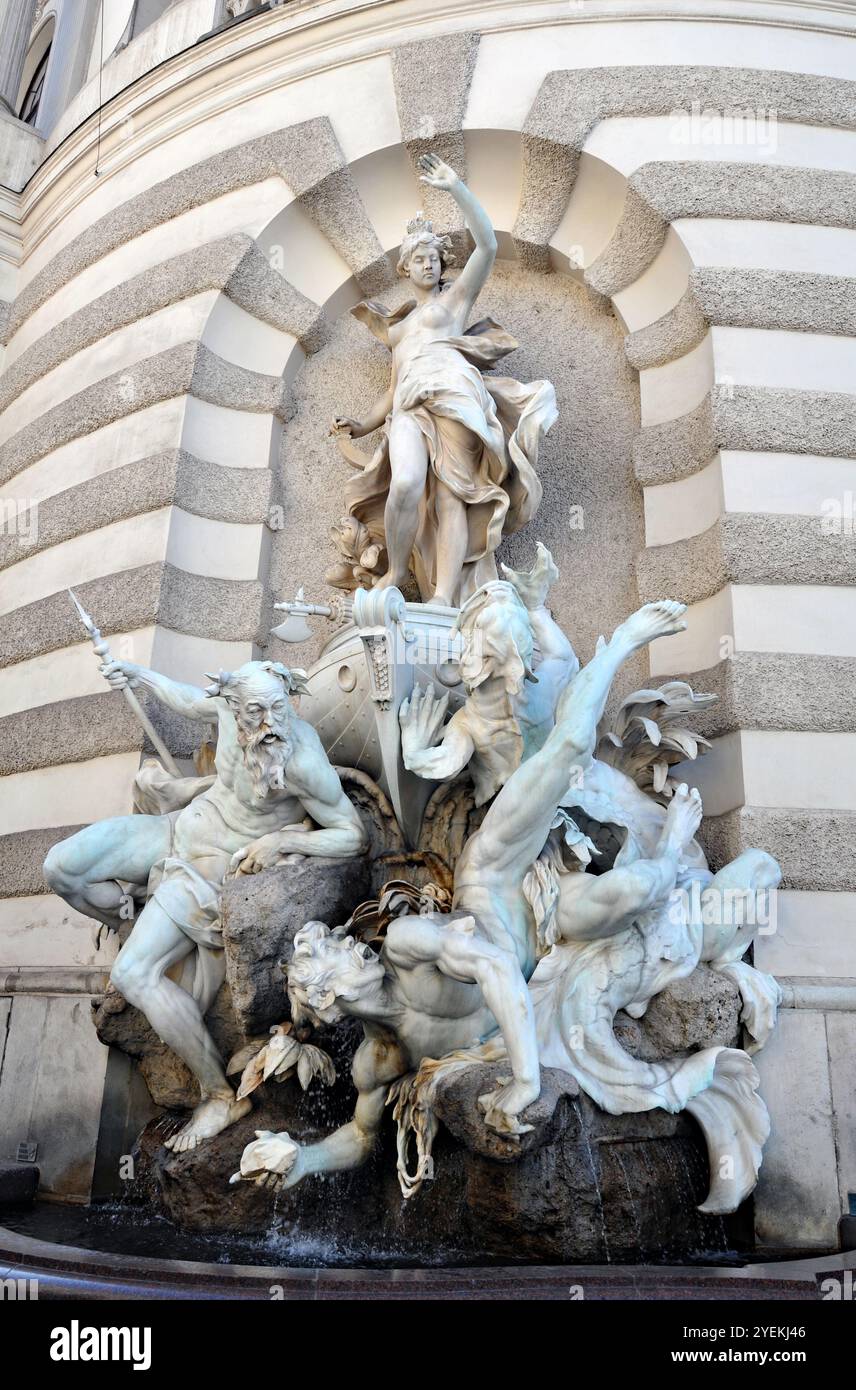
(257,695)
(263,717)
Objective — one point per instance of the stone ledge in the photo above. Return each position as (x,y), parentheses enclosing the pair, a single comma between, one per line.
(22,856)
(187,369)
(570,103)
(776,690)
(676,448)
(746,548)
(233,264)
(736,298)
(146,383)
(42,980)
(816,849)
(226,610)
(221,492)
(216,491)
(669,337)
(748,418)
(69,731)
(784,421)
(659,193)
(143,486)
(822,996)
(793,301)
(308,159)
(122,602)
(89,726)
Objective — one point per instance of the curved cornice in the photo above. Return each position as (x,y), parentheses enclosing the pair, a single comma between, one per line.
(323,34)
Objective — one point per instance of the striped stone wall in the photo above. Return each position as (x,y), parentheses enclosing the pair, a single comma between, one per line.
(251,188)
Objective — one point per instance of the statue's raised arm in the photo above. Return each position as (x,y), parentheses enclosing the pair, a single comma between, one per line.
(473,277)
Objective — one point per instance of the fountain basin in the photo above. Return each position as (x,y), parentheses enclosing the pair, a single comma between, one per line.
(68,1271)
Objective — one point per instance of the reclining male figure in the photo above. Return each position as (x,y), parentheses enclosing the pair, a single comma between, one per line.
(272,773)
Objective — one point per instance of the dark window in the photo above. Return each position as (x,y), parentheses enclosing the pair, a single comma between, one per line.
(30,105)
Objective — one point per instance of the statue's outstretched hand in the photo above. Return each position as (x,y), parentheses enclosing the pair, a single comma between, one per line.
(345,425)
(436,173)
(502,1108)
(421,718)
(272,1160)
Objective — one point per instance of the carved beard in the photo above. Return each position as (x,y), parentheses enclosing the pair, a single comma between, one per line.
(265,758)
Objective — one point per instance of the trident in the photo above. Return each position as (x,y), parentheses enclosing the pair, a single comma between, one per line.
(103,651)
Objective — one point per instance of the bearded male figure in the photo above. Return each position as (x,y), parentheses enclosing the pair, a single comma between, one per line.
(272,773)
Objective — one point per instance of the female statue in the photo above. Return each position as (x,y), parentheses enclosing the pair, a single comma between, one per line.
(455,470)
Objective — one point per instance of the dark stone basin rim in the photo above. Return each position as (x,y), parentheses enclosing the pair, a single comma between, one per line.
(68,1272)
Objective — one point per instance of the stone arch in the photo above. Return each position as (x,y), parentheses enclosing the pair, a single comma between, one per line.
(189,425)
(335,242)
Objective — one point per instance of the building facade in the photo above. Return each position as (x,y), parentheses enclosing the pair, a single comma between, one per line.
(192,195)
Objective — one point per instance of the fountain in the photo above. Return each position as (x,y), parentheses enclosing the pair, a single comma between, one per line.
(432,955)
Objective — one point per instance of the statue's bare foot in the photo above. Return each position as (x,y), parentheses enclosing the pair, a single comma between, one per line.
(534,586)
(683,817)
(211,1117)
(389,581)
(660,619)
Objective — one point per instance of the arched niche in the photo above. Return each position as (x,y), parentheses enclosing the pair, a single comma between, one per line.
(591,515)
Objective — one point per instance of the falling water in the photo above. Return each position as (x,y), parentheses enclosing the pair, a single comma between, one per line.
(634,1205)
(584,1135)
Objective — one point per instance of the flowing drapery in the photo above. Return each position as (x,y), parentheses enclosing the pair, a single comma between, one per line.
(482,434)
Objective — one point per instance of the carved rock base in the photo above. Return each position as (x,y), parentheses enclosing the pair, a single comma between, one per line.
(587,1187)
(582,1186)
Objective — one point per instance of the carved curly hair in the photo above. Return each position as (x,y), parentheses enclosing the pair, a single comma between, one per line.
(420,232)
